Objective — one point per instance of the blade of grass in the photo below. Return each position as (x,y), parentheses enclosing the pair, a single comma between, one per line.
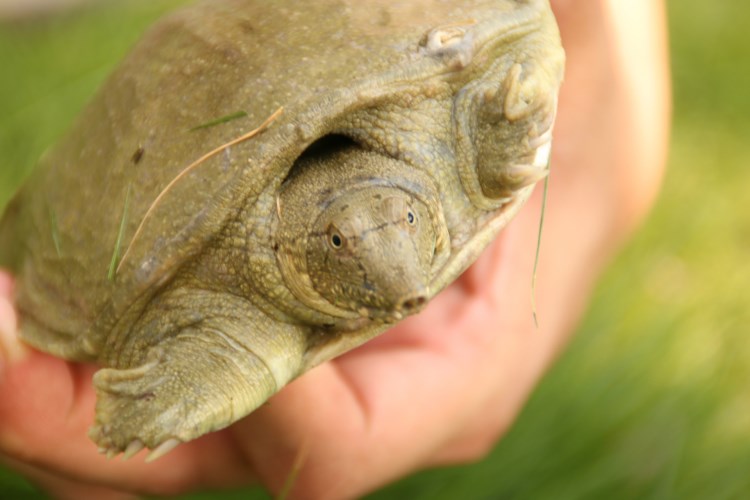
(55,230)
(190,167)
(118,243)
(539,246)
(220,120)
(291,478)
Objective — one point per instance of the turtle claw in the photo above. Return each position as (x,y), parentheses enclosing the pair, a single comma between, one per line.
(162,449)
(132,449)
(137,445)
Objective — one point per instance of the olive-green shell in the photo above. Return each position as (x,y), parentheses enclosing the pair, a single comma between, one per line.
(319,60)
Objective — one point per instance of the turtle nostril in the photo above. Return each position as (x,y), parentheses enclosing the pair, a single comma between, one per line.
(413,303)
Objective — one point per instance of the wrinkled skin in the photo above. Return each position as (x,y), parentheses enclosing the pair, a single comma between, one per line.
(355,417)
(373,246)
(406,143)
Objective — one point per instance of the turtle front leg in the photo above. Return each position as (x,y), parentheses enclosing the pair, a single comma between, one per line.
(201,380)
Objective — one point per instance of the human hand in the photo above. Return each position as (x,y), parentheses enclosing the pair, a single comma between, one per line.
(440,387)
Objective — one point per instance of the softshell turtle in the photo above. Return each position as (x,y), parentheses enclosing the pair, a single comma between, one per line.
(411,133)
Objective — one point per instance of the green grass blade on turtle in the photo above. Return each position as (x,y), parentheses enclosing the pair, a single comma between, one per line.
(118,243)
(220,120)
(55,231)
(189,168)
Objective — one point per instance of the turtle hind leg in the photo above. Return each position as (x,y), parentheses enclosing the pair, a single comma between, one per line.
(200,380)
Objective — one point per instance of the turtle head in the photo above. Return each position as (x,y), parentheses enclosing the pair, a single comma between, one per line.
(361,235)
(371,251)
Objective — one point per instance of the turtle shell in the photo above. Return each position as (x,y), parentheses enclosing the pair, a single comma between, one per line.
(326,63)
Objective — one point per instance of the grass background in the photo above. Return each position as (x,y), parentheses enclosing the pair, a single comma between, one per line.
(651,400)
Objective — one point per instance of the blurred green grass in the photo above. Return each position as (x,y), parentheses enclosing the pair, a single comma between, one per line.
(651,399)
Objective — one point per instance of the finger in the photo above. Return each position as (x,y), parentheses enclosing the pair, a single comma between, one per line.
(366,420)
(349,449)
(46,408)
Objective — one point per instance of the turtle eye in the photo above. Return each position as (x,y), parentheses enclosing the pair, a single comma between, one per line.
(335,239)
(410,217)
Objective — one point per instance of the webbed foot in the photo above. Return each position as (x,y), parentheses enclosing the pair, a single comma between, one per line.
(191,385)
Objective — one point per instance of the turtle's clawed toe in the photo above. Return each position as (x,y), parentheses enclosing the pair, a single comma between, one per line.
(132,449)
(137,445)
(163,449)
